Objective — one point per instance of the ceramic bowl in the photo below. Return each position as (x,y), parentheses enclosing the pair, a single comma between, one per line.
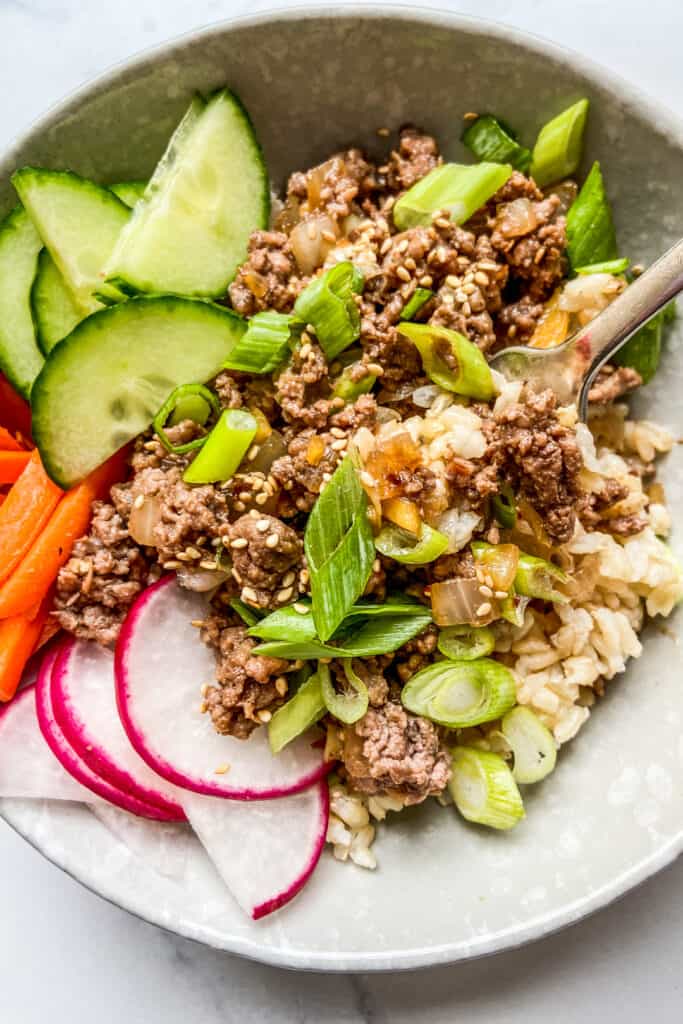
(612,813)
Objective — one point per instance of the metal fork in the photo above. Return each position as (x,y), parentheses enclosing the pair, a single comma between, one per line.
(571,368)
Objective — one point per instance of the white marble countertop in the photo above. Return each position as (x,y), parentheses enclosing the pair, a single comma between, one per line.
(66,955)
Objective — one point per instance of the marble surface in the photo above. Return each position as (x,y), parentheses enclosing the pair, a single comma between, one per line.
(87,956)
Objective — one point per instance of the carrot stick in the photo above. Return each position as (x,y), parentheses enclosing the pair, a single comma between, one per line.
(37,571)
(16,413)
(18,638)
(24,513)
(9,443)
(12,465)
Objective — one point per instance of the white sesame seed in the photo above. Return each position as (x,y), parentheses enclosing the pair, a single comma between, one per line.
(484,609)
(222,769)
(236,574)
(329,236)
(204,689)
(452,281)
(501,594)
(376,565)
(281,685)
(426,281)
(264,716)
(263,525)
(469,288)
(375,369)
(327,477)
(442,222)
(239,542)
(385,247)
(489,265)
(193,553)
(305,350)
(402,245)
(249,595)
(312,231)
(466,308)
(272,540)
(402,273)
(340,445)
(337,432)
(139,501)
(284,594)
(261,498)
(288,579)
(304,577)
(206,564)
(481,278)
(410,263)
(197,623)
(172,564)
(302,609)
(485,591)
(253,513)
(253,452)
(183,556)
(325,661)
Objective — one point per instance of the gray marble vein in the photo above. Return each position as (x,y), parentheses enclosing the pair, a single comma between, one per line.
(66,955)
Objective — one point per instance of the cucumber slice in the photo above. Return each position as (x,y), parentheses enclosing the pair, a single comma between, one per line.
(55,312)
(20,357)
(190,232)
(104,384)
(129,191)
(79,223)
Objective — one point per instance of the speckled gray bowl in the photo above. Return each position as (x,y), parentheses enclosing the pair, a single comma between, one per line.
(612,813)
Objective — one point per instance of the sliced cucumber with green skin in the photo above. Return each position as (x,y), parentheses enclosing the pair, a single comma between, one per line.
(20,357)
(129,191)
(104,384)
(79,223)
(55,312)
(190,232)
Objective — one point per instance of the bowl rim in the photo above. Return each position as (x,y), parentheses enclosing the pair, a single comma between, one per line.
(534,928)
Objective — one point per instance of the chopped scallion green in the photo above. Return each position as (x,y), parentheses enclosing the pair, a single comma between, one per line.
(504,506)
(350,386)
(458,189)
(248,615)
(608,267)
(300,712)
(378,635)
(459,694)
(264,345)
(557,152)
(404,547)
(591,237)
(183,394)
(535,577)
(451,360)
(533,746)
(328,304)
(490,140)
(415,303)
(191,407)
(484,790)
(466,643)
(349,706)
(224,448)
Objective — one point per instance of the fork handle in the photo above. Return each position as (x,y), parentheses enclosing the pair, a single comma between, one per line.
(642,300)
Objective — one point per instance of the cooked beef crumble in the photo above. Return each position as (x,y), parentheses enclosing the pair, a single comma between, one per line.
(489,279)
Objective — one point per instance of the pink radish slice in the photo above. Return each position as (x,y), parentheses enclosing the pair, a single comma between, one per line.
(83,695)
(164,846)
(28,768)
(161,664)
(89,786)
(265,852)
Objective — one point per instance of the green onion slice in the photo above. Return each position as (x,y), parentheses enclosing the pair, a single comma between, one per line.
(328,304)
(379,635)
(513,608)
(415,303)
(533,746)
(264,345)
(300,712)
(459,694)
(466,643)
(451,360)
(178,395)
(591,237)
(350,706)
(557,152)
(458,189)
(535,578)
(286,624)
(608,267)
(490,140)
(484,790)
(504,506)
(223,449)
(190,407)
(249,616)
(350,387)
(403,547)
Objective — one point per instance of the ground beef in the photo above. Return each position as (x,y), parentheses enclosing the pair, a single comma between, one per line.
(249,686)
(100,581)
(334,186)
(612,382)
(303,388)
(416,654)
(416,156)
(269,278)
(371,671)
(517,321)
(392,751)
(267,557)
(592,506)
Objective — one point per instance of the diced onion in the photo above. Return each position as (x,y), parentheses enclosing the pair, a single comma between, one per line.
(499,561)
(271,449)
(460,601)
(424,396)
(308,245)
(532,744)
(457,526)
(516,218)
(144,520)
(201,580)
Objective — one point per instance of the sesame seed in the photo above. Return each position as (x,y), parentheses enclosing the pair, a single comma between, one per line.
(264,716)
(484,608)
(488,580)
(485,591)
(192,552)
(312,231)
(452,281)
(329,236)
(206,564)
(261,498)
(470,116)
(469,288)
(257,484)
(339,446)
(367,479)
(325,661)
(442,222)
(337,432)
(489,265)
(84,567)
(461,296)
(249,595)
(441,254)
(376,565)
(139,501)
(244,495)
(253,452)
(172,564)
(240,506)
(281,685)
(304,577)
(239,542)
(263,525)
(410,263)
(375,369)
(222,769)
(481,278)
(204,689)
(285,594)
(402,245)
(389,203)
(288,579)
(254,514)
(327,477)
(305,350)
(150,446)
(426,281)
(183,556)
(466,308)
(272,540)
(403,274)
(337,403)
(302,609)
(501,594)
(197,623)
(512,330)
(385,247)
(236,574)
(383,132)
(203,708)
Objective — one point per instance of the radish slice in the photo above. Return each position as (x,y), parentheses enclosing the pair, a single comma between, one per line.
(84,703)
(164,846)
(161,664)
(264,852)
(53,744)
(28,768)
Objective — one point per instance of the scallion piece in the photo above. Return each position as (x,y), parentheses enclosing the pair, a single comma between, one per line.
(535,577)
(513,608)
(466,643)
(533,746)
(557,152)
(459,694)
(248,615)
(488,139)
(484,790)
(415,303)
(224,448)
(183,394)
(350,387)
(300,712)
(264,345)
(191,407)
(504,507)
(286,624)
(378,635)
(328,304)
(458,189)
(403,547)
(451,360)
(591,237)
(608,267)
(499,561)
(350,706)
